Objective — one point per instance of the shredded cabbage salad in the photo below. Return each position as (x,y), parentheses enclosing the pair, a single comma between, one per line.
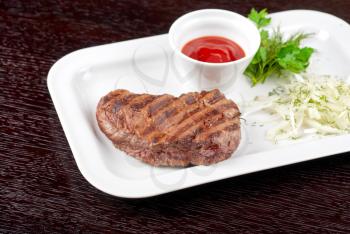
(308,104)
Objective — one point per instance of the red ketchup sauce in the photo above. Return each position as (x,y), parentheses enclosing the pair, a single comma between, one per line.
(213,49)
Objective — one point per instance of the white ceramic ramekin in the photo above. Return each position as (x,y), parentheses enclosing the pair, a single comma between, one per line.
(213,22)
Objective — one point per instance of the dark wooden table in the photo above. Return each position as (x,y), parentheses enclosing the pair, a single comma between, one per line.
(42,190)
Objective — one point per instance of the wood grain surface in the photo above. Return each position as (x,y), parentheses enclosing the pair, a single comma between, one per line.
(42,190)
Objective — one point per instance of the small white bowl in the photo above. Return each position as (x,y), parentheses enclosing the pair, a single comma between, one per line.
(213,22)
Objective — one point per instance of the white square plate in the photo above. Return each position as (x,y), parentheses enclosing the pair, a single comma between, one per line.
(78,80)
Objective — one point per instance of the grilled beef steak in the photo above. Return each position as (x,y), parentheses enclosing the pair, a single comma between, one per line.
(163,130)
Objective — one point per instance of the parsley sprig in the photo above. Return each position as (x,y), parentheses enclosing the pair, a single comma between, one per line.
(276,55)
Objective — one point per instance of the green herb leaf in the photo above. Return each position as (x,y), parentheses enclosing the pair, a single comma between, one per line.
(276,55)
(293,58)
(324,98)
(259,18)
(263,53)
(264,35)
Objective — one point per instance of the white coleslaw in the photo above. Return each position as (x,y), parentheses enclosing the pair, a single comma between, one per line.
(308,104)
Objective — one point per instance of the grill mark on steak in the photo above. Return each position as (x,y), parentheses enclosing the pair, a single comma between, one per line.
(152,109)
(216,96)
(232,127)
(200,111)
(171,112)
(191,127)
(218,126)
(165,115)
(143,104)
(190,99)
(113,94)
(156,139)
(215,124)
(121,102)
(152,127)
(227,128)
(180,103)
(186,128)
(173,120)
(195,132)
(139,97)
(163,101)
(117,106)
(148,130)
(174,105)
(191,110)
(215,121)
